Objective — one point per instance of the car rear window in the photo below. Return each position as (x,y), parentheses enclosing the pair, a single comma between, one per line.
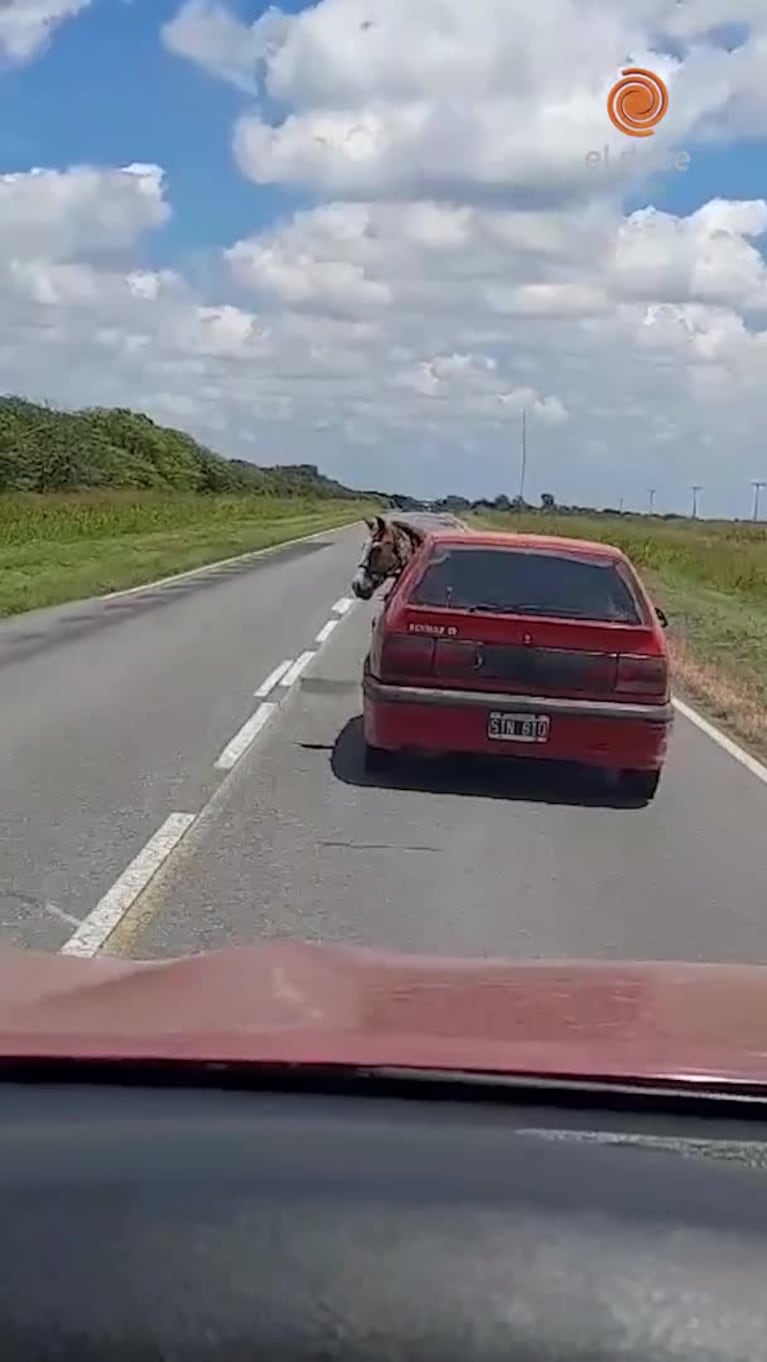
(526,582)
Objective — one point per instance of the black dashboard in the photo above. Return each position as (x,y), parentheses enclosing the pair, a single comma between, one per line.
(203,1223)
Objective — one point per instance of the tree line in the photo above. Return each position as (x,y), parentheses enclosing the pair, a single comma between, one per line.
(43,450)
(455,505)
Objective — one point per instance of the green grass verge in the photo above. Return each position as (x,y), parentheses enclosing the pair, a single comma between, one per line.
(712,581)
(719,648)
(62,548)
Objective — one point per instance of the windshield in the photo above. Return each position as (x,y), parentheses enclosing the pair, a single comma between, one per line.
(310,305)
(526,583)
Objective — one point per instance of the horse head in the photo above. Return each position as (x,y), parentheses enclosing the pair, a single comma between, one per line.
(386,553)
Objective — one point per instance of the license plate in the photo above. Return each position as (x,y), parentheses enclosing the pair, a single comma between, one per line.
(518,727)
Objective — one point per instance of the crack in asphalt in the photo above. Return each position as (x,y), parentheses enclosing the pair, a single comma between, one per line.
(377,846)
(33,902)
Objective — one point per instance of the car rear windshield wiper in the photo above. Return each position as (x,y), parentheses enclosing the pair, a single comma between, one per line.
(497,608)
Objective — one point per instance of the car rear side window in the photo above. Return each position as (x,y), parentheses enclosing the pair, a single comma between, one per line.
(526,582)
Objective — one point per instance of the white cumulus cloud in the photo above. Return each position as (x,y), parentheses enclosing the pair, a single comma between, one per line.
(26,26)
(464,254)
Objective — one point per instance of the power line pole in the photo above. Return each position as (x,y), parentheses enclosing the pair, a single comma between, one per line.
(757,485)
(695,490)
(523,459)
(651,494)
(620,506)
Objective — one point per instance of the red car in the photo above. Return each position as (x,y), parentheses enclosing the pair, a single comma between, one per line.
(522,645)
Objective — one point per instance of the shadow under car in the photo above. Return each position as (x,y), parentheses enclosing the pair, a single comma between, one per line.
(532,780)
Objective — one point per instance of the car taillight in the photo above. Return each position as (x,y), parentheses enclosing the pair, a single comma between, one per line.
(643,676)
(406,655)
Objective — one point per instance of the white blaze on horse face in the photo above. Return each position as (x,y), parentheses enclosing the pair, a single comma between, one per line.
(362,584)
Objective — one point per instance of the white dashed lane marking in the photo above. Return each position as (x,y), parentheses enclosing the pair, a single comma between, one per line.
(292,675)
(242,740)
(326,631)
(343,605)
(94,931)
(268,685)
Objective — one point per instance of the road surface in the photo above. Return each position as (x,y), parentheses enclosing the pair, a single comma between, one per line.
(115,714)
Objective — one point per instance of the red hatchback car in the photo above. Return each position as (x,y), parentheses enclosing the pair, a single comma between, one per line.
(523,645)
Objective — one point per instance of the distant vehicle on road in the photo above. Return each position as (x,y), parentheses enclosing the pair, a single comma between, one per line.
(521,645)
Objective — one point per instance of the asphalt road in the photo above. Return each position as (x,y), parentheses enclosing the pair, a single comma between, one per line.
(114,714)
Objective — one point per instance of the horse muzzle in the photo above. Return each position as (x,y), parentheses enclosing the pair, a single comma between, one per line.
(363,587)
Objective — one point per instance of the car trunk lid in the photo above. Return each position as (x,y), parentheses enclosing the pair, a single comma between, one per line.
(477,651)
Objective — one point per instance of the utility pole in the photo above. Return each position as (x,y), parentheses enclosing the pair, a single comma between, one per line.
(651,495)
(523,459)
(757,485)
(695,490)
(620,506)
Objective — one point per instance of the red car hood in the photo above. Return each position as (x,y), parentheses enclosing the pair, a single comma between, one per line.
(290,1002)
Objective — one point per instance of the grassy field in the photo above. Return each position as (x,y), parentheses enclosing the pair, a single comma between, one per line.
(66,547)
(711,579)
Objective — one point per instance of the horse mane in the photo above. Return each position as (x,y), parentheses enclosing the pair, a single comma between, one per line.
(415,536)
(399,528)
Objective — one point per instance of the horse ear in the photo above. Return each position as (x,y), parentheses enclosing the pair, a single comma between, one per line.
(370,524)
(381,524)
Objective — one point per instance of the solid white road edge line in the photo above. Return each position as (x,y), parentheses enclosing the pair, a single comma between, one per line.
(111,909)
(739,753)
(326,631)
(242,740)
(290,677)
(221,562)
(272,679)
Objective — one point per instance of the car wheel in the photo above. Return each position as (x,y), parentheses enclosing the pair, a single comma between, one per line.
(641,784)
(376,758)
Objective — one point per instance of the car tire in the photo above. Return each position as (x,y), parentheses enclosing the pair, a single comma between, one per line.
(641,784)
(375,758)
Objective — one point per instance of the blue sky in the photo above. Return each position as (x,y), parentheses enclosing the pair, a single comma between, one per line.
(108,92)
(369,344)
(732,172)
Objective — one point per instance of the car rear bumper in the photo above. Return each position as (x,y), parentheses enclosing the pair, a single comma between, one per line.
(598,733)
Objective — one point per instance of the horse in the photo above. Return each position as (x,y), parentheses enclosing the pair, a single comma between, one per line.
(387,553)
